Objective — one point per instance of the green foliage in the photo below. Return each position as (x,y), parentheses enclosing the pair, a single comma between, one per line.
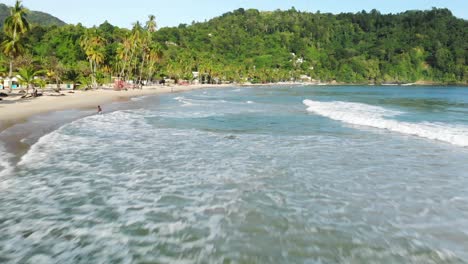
(354,48)
(27,75)
(249,45)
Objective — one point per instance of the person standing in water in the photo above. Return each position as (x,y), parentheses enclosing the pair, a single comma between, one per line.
(99,110)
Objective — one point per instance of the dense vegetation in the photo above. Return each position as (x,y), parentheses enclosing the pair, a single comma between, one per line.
(415,45)
(248,45)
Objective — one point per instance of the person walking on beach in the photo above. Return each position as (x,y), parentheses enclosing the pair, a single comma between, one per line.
(99,110)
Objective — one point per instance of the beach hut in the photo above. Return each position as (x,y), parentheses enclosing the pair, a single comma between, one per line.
(10,82)
(7,82)
(14,83)
(305,78)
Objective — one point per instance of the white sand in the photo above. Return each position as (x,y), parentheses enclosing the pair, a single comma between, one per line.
(13,109)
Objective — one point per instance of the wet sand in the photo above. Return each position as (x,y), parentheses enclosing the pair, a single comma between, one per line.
(24,121)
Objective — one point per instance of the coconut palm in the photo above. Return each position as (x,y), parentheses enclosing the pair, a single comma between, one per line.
(123,54)
(12,48)
(136,39)
(93,46)
(55,70)
(146,44)
(145,49)
(151,25)
(154,56)
(27,76)
(16,25)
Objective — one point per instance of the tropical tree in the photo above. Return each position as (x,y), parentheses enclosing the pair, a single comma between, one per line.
(154,56)
(151,24)
(12,48)
(16,25)
(54,70)
(27,77)
(123,54)
(136,39)
(73,76)
(93,46)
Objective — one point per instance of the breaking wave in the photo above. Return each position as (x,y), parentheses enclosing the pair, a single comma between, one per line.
(379,117)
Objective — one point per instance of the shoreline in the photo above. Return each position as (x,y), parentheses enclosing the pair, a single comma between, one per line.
(14,110)
(24,121)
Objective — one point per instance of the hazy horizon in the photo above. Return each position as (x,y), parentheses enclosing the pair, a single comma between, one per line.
(124,13)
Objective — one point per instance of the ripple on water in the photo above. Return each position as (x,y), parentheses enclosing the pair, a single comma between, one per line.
(188,196)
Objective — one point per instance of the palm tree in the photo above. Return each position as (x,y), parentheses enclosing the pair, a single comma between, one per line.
(93,45)
(123,52)
(151,25)
(27,76)
(145,43)
(16,25)
(136,39)
(55,70)
(154,56)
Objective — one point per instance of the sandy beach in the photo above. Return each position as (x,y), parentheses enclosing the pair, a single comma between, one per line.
(15,110)
(24,121)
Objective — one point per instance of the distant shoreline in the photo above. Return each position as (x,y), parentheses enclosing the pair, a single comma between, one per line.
(14,110)
(335,83)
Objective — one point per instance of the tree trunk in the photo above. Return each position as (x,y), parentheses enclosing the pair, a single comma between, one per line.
(29,86)
(57,82)
(10,76)
(141,70)
(92,73)
(131,56)
(95,77)
(122,73)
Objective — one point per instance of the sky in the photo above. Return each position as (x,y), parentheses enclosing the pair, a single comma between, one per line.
(124,13)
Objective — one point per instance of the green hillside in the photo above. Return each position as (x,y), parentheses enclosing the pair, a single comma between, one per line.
(35,17)
(354,48)
(255,46)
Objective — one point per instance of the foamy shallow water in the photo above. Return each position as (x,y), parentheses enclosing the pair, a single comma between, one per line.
(209,177)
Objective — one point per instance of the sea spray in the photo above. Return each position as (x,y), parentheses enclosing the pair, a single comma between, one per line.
(5,162)
(225,181)
(379,117)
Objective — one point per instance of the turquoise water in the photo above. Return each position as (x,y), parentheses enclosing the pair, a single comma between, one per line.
(248,175)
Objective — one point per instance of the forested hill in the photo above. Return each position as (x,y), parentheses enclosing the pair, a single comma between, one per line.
(34,17)
(253,46)
(364,47)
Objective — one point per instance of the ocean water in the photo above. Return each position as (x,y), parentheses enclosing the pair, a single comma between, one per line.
(279,174)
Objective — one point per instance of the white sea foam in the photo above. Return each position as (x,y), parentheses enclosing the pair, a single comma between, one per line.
(184,101)
(5,165)
(92,131)
(192,190)
(378,117)
(139,98)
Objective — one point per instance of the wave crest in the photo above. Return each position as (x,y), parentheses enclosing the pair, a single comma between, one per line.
(374,116)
